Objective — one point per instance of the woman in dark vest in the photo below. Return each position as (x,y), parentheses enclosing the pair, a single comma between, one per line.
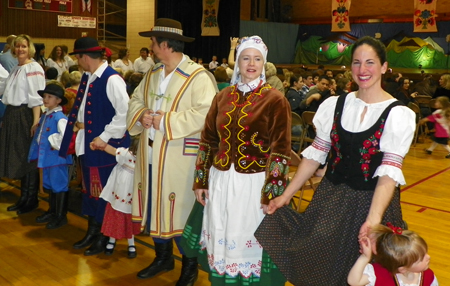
(363,137)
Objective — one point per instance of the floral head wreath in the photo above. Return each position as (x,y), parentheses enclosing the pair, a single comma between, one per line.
(395,229)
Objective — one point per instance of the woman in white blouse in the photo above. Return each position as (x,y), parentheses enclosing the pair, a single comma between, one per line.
(123,62)
(57,60)
(23,107)
(363,137)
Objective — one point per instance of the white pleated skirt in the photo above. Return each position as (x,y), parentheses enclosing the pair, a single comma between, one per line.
(231,216)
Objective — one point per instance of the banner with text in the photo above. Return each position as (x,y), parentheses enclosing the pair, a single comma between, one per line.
(42,5)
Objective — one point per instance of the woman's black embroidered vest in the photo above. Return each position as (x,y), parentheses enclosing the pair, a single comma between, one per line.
(355,156)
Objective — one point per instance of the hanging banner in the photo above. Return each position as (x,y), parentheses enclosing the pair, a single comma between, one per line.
(340,20)
(210,26)
(425,16)
(86,5)
(59,6)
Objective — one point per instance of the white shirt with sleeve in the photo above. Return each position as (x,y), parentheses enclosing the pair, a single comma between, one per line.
(117,94)
(120,64)
(143,66)
(22,84)
(396,138)
(64,66)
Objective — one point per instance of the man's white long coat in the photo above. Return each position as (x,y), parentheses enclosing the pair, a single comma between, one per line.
(186,103)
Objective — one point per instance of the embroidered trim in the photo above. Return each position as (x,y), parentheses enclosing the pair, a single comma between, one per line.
(159,96)
(277,176)
(371,146)
(168,29)
(190,146)
(335,144)
(392,159)
(245,161)
(200,174)
(321,144)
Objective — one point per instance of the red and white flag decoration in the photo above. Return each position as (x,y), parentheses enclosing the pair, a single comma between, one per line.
(210,26)
(340,20)
(425,16)
(86,5)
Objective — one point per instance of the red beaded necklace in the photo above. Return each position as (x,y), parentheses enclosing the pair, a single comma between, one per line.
(248,97)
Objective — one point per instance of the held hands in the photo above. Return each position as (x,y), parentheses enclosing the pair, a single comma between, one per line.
(275,204)
(33,129)
(201,195)
(157,117)
(97,144)
(151,118)
(147,119)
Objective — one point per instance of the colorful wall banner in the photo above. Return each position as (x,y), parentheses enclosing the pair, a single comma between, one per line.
(210,26)
(59,6)
(86,5)
(340,18)
(425,16)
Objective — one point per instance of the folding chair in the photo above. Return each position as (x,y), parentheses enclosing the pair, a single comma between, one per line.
(296,131)
(311,183)
(419,127)
(308,129)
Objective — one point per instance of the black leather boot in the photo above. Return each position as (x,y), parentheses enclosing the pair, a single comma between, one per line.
(60,217)
(22,199)
(48,215)
(163,261)
(31,184)
(92,231)
(189,271)
(98,246)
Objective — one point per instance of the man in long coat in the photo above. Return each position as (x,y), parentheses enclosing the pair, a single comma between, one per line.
(168,110)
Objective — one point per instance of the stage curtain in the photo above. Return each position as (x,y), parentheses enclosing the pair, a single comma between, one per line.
(280,38)
(190,14)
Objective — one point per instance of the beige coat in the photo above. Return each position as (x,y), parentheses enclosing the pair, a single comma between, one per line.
(174,153)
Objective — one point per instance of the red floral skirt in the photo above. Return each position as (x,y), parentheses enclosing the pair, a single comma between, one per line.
(118,224)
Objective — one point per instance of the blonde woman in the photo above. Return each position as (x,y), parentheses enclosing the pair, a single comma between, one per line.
(23,108)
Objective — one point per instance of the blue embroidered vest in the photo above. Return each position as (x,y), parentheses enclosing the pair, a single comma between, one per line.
(355,156)
(98,112)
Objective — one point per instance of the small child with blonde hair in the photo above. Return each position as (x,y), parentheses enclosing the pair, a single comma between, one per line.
(400,258)
(441,120)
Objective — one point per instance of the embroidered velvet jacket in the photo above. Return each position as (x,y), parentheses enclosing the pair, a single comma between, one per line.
(251,131)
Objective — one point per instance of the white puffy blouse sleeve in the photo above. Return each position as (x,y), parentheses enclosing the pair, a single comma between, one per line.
(370,273)
(395,142)
(323,121)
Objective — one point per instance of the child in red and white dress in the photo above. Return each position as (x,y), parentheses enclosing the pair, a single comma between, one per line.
(400,259)
(118,191)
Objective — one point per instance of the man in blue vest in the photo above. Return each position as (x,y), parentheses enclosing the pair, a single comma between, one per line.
(99,117)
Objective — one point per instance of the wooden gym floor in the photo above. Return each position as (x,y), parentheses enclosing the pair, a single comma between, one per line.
(33,255)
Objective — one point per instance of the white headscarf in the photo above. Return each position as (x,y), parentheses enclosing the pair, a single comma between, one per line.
(254,42)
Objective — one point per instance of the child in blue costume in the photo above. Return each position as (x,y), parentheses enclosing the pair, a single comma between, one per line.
(44,148)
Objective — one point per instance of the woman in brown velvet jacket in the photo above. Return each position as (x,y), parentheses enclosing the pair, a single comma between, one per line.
(242,164)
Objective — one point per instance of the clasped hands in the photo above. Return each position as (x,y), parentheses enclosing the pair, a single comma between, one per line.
(151,118)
